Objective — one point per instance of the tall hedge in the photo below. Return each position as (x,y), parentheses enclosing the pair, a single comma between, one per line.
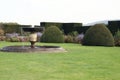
(69,27)
(114,26)
(98,35)
(52,35)
(48,24)
(117,38)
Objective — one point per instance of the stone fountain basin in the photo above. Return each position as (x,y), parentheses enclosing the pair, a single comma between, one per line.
(29,49)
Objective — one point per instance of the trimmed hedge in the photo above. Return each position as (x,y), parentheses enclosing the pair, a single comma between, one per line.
(65,27)
(98,35)
(48,24)
(52,35)
(117,38)
(70,27)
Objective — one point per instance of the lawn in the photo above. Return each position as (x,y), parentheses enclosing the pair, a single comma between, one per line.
(78,63)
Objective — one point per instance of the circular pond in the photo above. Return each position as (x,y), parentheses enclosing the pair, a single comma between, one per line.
(29,49)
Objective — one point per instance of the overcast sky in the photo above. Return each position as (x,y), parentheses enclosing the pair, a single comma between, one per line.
(35,11)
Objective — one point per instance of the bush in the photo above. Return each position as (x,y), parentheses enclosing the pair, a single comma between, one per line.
(48,24)
(11,27)
(68,39)
(117,38)
(98,35)
(23,38)
(2,38)
(1,32)
(13,39)
(73,33)
(79,38)
(17,39)
(52,35)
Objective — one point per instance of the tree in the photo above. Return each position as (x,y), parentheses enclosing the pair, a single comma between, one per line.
(11,27)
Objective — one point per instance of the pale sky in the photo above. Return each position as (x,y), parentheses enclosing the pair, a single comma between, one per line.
(35,11)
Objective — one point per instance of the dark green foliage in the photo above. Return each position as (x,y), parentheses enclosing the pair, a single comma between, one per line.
(73,33)
(69,27)
(113,26)
(11,27)
(48,24)
(52,35)
(82,29)
(117,38)
(77,24)
(98,35)
(65,27)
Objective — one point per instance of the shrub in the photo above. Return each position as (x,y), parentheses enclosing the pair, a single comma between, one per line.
(11,27)
(98,35)
(17,39)
(2,38)
(52,35)
(68,39)
(23,38)
(1,32)
(79,38)
(12,39)
(73,33)
(117,38)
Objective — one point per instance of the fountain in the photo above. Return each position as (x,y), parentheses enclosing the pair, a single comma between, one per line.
(32,47)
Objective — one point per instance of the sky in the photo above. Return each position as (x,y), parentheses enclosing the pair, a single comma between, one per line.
(32,12)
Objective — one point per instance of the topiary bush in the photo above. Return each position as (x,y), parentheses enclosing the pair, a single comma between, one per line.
(98,35)
(52,35)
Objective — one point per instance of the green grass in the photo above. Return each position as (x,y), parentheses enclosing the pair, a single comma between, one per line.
(78,63)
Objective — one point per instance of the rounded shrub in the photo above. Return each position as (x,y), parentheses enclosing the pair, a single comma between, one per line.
(98,35)
(52,35)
